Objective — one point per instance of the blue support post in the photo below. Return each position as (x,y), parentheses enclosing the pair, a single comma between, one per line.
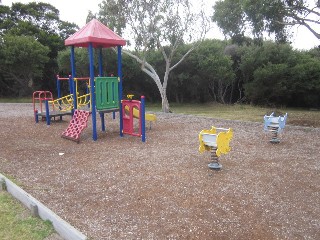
(59,94)
(142,119)
(73,75)
(101,75)
(120,89)
(93,97)
(71,89)
(70,84)
(75,94)
(47,112)
(100,63)
(103,126)
(58,87)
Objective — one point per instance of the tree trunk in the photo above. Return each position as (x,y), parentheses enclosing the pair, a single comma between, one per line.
(165,104)
(231,92)
(148,69)
(177,98)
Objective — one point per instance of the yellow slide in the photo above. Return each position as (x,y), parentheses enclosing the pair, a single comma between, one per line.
(149,117)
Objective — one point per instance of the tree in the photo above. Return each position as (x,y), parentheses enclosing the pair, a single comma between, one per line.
(156,24)
(216,67)
(275,74)
(269,85)
(230,17)
(41,21)
(305,81)
(22,59)
(265,71)
(273,16)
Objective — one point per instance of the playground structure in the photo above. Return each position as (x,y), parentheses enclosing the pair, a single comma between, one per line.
(134,109)
(275,125)
(46,107)
(215,140)
(148,117)
(45,98)
(103,95)
(77,124)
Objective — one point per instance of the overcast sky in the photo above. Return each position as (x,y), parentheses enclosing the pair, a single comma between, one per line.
(76,11)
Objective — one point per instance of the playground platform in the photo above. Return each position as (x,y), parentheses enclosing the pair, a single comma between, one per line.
(54,113)
(108,110)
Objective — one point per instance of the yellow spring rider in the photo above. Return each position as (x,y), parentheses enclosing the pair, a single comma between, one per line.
(215,140)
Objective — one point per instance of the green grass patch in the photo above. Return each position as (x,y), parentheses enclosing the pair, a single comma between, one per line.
(12,179)
(16,100)
(16,222)
(243,112)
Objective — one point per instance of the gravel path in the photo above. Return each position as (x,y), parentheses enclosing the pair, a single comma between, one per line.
(121,188)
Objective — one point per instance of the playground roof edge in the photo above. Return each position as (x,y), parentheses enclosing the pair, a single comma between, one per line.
(96,33)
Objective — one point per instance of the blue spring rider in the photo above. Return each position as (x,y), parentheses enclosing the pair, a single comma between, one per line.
(275,125)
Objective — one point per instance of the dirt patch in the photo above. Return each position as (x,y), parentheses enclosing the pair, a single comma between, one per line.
(121,188)
(305,122)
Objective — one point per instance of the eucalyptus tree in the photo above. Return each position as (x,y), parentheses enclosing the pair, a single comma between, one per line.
(273,16)
(230,18)
(162,25)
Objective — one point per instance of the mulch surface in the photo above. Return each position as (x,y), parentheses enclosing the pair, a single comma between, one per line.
(121,188)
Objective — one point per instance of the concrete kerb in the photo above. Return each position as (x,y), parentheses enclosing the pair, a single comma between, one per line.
(64,229)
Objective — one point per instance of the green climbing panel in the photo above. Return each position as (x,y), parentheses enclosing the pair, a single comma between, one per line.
(107,96)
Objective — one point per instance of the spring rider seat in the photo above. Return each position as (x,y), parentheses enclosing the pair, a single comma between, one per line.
(275,125)
(215,140)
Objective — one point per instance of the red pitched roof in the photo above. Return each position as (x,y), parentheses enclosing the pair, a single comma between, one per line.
(97,34)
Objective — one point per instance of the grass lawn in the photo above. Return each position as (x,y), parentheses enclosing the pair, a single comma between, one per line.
(243,112)
(16,100)
(16,223)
